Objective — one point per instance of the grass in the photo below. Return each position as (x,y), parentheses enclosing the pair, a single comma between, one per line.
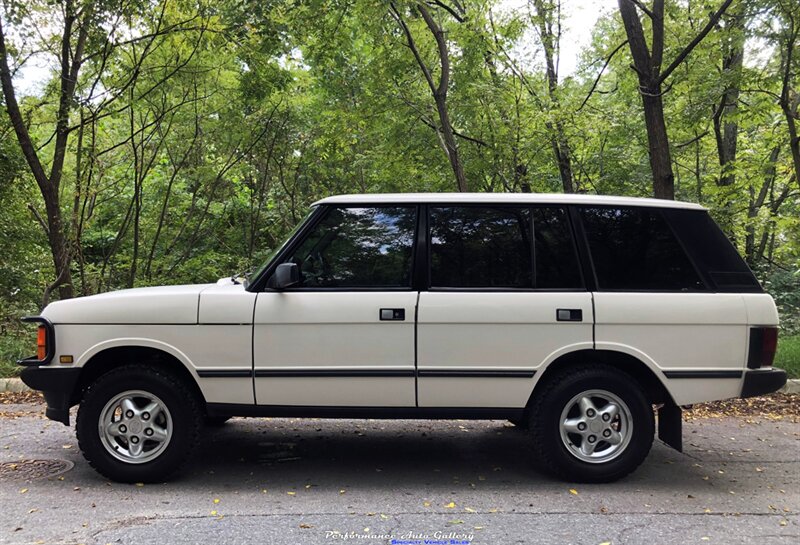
(788,356)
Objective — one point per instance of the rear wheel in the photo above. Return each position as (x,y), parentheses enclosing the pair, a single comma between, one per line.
(591,423)
(138,423)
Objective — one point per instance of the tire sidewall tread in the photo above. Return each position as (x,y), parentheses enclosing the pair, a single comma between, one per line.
(184,407)
(545,414)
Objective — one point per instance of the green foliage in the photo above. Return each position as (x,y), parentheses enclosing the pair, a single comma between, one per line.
(788,356)
(229,118)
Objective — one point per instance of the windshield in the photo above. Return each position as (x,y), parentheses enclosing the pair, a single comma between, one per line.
(277,250)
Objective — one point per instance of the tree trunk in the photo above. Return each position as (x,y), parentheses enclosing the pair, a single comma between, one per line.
(647,65)
(548,14)
(658,145)
(450,143)
(439,91)
(726,126)
(794,140)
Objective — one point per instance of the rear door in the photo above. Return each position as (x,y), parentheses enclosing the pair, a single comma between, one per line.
(506,295)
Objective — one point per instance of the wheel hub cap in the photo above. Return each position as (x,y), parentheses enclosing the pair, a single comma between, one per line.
(596,426)
(135,426)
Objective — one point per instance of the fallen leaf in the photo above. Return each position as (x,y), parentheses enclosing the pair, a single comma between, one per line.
(384,517)
(784,522)
(304,525)
(705,538)
(292,493)
(216,500)
(450,505)
(456,521)
(469,510)
(573,491)
(23,491)
(213,513)
(426,504)
(32,510)
(139,484)
(605,543)
(66,446)
(342,491)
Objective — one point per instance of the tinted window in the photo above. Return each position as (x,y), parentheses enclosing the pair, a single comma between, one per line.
(634,249)
(712,251)
(481,247)
(359,248)
(555,257)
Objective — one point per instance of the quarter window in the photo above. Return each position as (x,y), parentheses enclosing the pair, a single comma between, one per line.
(634,249)
(359,248)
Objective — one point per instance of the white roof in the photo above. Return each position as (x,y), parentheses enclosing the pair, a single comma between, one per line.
(516,198)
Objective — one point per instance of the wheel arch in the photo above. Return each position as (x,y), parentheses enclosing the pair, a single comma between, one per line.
(117,353)
(651,379)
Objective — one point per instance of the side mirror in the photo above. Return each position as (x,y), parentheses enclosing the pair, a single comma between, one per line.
(285,276)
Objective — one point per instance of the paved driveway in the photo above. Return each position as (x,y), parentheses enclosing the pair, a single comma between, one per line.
(325,481)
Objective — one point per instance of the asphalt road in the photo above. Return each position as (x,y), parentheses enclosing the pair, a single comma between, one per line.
(293,481)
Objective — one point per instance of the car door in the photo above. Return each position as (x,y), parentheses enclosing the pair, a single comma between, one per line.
(506,295)
(344,336)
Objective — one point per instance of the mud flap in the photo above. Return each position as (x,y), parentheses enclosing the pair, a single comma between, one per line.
(670,426)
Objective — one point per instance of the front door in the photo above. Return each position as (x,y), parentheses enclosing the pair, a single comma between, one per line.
(345,335)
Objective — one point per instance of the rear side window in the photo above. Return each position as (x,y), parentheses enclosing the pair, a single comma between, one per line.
(711,250)
(481,247)
(554,251)
(502,247)
(634,249)
(359,248)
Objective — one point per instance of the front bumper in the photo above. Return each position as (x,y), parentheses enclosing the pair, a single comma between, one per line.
(760,382)
(58,387)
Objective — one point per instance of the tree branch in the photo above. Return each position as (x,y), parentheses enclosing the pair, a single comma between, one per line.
(413,46)
(597,79)
(712,22)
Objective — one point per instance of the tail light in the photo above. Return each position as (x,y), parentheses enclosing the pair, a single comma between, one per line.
(41,343)
(763,344)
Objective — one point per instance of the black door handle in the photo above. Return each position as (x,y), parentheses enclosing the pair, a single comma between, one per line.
(569,315)
(393,314)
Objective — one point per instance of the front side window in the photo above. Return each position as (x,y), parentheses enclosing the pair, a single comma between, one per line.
(369,247)
(634,249)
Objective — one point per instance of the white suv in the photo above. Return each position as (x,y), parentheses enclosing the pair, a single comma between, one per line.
(569,315)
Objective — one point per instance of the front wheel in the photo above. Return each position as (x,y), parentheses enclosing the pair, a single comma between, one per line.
(138,423)
(591,423)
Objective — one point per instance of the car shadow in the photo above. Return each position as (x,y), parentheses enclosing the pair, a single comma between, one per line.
(406,453)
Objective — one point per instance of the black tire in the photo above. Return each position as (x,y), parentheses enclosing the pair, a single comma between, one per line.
(522,423)
(558,392)
(215,421)
(184,410)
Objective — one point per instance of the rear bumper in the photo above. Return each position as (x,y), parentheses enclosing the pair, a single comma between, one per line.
(58,387)
(760,382)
